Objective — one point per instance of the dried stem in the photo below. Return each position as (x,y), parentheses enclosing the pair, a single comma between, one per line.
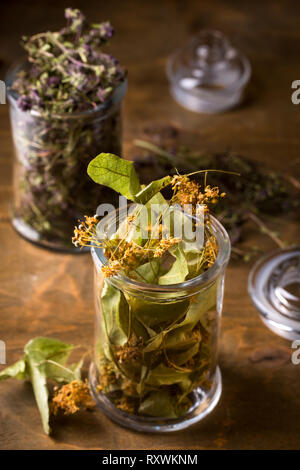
(266,230)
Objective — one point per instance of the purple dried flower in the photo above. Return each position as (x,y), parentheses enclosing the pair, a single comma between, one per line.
(24,103)
(67,78)
(53,81)
(35,71)
(106,30)
(101,94)
(113,60)
(75,19)
(87,48)
(34,94)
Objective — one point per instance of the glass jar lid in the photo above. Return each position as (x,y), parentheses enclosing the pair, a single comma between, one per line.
(208,74)
(274,287)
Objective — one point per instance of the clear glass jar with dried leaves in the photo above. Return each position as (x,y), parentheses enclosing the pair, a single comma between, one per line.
(155,363)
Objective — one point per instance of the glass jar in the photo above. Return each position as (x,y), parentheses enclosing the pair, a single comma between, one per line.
(155,361)
(208,74)
(51,186)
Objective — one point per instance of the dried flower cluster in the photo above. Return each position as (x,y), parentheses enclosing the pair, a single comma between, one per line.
(188,192)
(67,70)
(107,376)
(131,351)
(135,245)
(123,256)
(71,396)
(86,231)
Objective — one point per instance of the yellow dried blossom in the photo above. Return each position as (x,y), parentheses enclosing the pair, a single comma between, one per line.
(131,351)
(112,269)
(107,376)
(84,234)
(211,248)
(185,191)
(188,192)
(164,245)
(70,397)
(125,255)
(129,388)
(127,405)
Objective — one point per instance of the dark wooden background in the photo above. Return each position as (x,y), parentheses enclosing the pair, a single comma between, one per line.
(44,293)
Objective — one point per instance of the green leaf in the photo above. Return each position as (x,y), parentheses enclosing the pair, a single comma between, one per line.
(164,375)
(116,173)
(179,338)
(39,385)
(194,257)
(199,309)
(140,385)
(180,358)
(158,404)
(181,226)
(63,374)
(178,271)
(147,193)
(42,350)
(158,200)
(48,348)
(16,371)
(139,329)
(147,272)
(44,358)
(154,313)
(115,311)
(76,369)
(38,352)
(155,343)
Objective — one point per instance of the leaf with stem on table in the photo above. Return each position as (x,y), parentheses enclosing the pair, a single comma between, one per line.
(44,358)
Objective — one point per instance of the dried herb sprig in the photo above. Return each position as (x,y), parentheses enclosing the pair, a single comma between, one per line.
(257,194)
(128,252)
(67,70)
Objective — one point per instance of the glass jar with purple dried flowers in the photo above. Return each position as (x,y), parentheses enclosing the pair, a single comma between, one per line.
(65,106)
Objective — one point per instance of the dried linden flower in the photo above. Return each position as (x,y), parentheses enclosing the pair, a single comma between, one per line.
(70,397)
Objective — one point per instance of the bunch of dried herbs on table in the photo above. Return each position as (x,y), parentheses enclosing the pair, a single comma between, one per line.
(65,105)
(259,194)
(152,353)
(44,364)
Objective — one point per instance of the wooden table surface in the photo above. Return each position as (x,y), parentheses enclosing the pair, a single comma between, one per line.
(44,293)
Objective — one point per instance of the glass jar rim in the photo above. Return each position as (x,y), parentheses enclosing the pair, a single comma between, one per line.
(114,99)
(204,279)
